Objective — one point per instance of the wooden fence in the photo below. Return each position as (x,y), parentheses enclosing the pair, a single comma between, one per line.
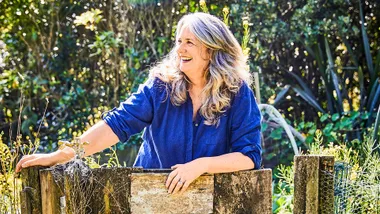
(131,190)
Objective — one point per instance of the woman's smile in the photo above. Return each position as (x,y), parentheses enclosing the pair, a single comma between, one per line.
(193,55)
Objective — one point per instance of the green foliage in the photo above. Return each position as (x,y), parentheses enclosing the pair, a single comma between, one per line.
(283,194)
(375,136)
(315,60)
(357,166)
(10,184)
(322,59)
(335,127)
(86,57)
(357,181)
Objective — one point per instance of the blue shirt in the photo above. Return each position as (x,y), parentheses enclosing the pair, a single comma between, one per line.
(172,137)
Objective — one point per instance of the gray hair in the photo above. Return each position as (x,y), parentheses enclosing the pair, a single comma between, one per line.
(226,72)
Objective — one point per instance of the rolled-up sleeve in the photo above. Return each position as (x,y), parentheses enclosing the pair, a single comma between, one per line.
(246,125)
(134,114)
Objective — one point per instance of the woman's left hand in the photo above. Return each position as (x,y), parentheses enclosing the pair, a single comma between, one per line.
(183,175)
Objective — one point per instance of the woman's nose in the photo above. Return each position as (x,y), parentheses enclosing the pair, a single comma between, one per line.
(181,49)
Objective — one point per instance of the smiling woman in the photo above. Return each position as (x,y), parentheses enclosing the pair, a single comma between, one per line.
(194,57)
(196,109)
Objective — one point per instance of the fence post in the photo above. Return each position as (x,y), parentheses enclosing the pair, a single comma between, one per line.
(313,184)
(31,191)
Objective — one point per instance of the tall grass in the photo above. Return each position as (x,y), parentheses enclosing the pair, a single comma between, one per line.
(10,153)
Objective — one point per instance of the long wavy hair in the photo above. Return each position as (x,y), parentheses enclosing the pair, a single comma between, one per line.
(225,74)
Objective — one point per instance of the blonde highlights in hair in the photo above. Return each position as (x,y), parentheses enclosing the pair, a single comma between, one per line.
(226,72)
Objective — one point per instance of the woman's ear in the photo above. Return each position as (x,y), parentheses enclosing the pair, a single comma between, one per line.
(209,53)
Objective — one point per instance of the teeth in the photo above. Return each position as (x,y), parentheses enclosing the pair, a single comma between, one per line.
(184,58)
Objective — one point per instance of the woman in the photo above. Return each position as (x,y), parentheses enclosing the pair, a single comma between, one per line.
(197,110)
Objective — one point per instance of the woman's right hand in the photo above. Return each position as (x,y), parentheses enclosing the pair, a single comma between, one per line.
(60,156)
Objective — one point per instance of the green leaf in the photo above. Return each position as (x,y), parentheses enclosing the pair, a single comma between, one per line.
(346,123)
(324,117)
(335,117)
(373,104)
(377,63)
(350,51)
(372,93)
(366,45)
(281,94)
(310,124)
(276,134)
(304,86)
(364,115)
(361,84)
(34,36)
(301,125)
(328,128)
(375,136)
(309,98)
(337,90)
(309,139)
(354,115)
(312,131)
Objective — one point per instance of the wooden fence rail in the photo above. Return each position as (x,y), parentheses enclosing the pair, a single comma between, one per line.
(131,190)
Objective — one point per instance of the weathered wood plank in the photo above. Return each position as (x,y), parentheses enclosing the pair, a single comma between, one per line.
(127,190)
(112,190)
(149,195)
(31,191)
(243,192)
(306,178)
(313,184)
(51,191)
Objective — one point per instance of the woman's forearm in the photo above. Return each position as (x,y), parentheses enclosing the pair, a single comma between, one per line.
(100,136)
(230,162)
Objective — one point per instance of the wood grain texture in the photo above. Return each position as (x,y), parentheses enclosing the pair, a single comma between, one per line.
(149,195)
(243,192)
(313,188)
(112,190)
(131,190)
(31,191)
(51,191)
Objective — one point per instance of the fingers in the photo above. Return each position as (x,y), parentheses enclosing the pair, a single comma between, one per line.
(170,178)
(24,159)
(176,180)
(32,162)
(186,184)
(175,166)
(173,184)
(178,186)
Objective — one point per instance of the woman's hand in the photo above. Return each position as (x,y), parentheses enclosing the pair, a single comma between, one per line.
(184,174)
(51,159)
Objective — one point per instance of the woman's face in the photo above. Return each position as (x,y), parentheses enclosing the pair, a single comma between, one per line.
(193,55)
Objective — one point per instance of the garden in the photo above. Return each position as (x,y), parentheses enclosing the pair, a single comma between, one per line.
(316,69)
